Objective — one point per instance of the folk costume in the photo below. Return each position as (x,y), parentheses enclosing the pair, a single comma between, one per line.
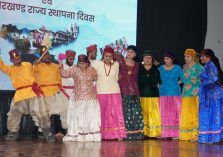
(128,82)
(25,99)
(149,81)
(170,99)
(84,117)
(110,100)
(190,103)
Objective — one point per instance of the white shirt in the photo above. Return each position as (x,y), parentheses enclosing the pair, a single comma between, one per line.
(67,81)
(107,84)
(92,61)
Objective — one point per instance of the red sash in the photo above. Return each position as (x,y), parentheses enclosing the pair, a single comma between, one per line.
(36,89)
(68,87)
(60,86)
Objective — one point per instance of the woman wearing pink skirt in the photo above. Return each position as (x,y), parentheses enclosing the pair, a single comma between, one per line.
(112,121)
(170,96)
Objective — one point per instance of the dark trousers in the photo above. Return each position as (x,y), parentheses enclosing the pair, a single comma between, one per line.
(56,125)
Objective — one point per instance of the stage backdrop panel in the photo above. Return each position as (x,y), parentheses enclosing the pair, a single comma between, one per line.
(70,24)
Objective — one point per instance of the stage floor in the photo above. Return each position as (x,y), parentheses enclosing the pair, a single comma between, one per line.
(149,148)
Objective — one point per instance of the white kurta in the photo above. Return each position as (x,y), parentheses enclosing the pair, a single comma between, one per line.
(68,83)
(92,61)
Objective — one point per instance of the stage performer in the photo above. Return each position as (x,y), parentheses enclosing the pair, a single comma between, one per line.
(149,80)
(92,53)
(25,99)
(84,117)
(68,86)
(68,83)
(128,82)
(189,110)
(170,96)
(210,99)
(55,98)
(110,100)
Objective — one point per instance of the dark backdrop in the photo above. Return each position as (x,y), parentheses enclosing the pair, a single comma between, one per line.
(171,25)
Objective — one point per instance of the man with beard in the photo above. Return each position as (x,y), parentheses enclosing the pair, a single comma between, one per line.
(92,53)
(25,98)
(68,83)
(68,86)
(48,78)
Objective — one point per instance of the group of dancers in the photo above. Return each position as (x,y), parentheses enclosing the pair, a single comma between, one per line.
(117,97)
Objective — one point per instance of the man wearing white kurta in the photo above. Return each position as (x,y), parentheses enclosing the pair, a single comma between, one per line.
(92,53)
(68,86)
(68,83)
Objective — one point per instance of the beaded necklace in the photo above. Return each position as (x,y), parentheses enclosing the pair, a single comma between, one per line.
(107,74)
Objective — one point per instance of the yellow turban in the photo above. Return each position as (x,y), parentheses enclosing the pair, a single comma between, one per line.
(192,53)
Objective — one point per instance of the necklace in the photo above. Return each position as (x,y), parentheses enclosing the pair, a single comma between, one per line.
(147,68)
(130,69)
(130,65)
(107,74)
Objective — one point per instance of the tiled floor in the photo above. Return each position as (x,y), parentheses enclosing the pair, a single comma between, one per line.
(149,148)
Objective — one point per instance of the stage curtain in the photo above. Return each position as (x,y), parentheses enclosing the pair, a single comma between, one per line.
(171,25)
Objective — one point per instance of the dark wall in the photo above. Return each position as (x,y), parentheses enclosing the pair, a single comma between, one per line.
(5,100)
(171,25)
(27,126)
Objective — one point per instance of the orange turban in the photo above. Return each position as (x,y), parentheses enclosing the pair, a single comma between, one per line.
(190,52)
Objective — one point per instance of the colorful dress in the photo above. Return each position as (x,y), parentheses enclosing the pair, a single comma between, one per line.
(189,110)
(110,100)
(49,80)
(210,105)
(170,100)
(25,98)
(83,118)
(133,115)
(149,96)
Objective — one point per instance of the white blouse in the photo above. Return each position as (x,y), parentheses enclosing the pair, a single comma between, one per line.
(107,84)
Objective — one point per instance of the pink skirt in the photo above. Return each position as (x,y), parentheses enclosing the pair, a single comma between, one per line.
(170,107)
(112,121)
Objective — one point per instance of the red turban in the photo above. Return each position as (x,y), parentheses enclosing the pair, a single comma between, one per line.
(91,48)
(108,50)
(70,53)
(13,54)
